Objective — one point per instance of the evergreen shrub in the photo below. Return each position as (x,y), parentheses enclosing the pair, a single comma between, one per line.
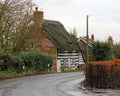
(31,60)
(101,51)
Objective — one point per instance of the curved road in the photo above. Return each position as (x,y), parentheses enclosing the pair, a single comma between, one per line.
(61,84)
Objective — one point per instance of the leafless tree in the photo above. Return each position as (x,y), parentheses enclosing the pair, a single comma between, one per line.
(15,18)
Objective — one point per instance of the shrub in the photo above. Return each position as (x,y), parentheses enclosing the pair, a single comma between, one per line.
(101,51)
(36,61)
(103,74)
(31,60)
(116,51)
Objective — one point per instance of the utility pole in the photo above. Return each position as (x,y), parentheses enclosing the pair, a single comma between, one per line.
(87,74)
(87,38)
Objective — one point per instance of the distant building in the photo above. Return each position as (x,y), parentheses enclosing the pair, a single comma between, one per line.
(83,43)
(51,38)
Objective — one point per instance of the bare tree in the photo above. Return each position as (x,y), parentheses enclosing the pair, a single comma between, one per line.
(15,18)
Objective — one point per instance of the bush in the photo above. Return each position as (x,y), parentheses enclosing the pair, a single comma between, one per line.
(101,51)
(103,74)
(31,60)
(116,51)
(36,61)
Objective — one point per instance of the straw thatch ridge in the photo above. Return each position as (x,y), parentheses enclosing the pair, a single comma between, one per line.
(59,36)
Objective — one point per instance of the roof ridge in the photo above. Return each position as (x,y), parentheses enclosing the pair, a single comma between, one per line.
(54,22)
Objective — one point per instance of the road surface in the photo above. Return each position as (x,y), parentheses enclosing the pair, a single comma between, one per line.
(61,84)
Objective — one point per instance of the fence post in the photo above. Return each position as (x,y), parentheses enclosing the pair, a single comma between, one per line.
(23,67)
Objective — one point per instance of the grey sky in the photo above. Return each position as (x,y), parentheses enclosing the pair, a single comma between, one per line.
(104,16)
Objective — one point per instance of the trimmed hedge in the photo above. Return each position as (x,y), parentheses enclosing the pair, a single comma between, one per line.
(31,61)
(103,74)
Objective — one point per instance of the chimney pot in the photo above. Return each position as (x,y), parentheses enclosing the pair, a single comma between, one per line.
(36,8)
(92,37)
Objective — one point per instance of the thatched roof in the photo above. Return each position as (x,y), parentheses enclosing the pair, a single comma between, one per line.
(59,36)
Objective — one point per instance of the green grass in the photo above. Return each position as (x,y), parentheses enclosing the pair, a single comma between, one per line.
(12,74)
(7,73)
(52,71)
(71,70)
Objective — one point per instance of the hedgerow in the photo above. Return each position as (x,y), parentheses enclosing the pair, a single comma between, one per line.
(30,60)
(103,74)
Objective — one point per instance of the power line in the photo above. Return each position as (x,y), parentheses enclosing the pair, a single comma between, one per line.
(110,14)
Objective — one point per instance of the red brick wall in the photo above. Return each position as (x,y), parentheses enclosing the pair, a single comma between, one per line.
(37,37)
(41,43)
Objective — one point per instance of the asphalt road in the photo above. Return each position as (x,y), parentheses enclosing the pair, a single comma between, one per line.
(61,84)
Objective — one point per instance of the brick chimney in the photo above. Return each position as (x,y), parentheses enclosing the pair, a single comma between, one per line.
(92,37)
(110,40)
(38,17)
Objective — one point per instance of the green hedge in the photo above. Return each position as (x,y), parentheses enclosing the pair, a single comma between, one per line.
(31,60)
(101,51)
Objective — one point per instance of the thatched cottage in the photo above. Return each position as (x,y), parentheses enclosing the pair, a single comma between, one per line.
(51,38)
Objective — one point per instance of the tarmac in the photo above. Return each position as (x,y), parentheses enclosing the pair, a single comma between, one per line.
(97,92)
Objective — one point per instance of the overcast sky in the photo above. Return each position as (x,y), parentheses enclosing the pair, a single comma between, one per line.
(104,16)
